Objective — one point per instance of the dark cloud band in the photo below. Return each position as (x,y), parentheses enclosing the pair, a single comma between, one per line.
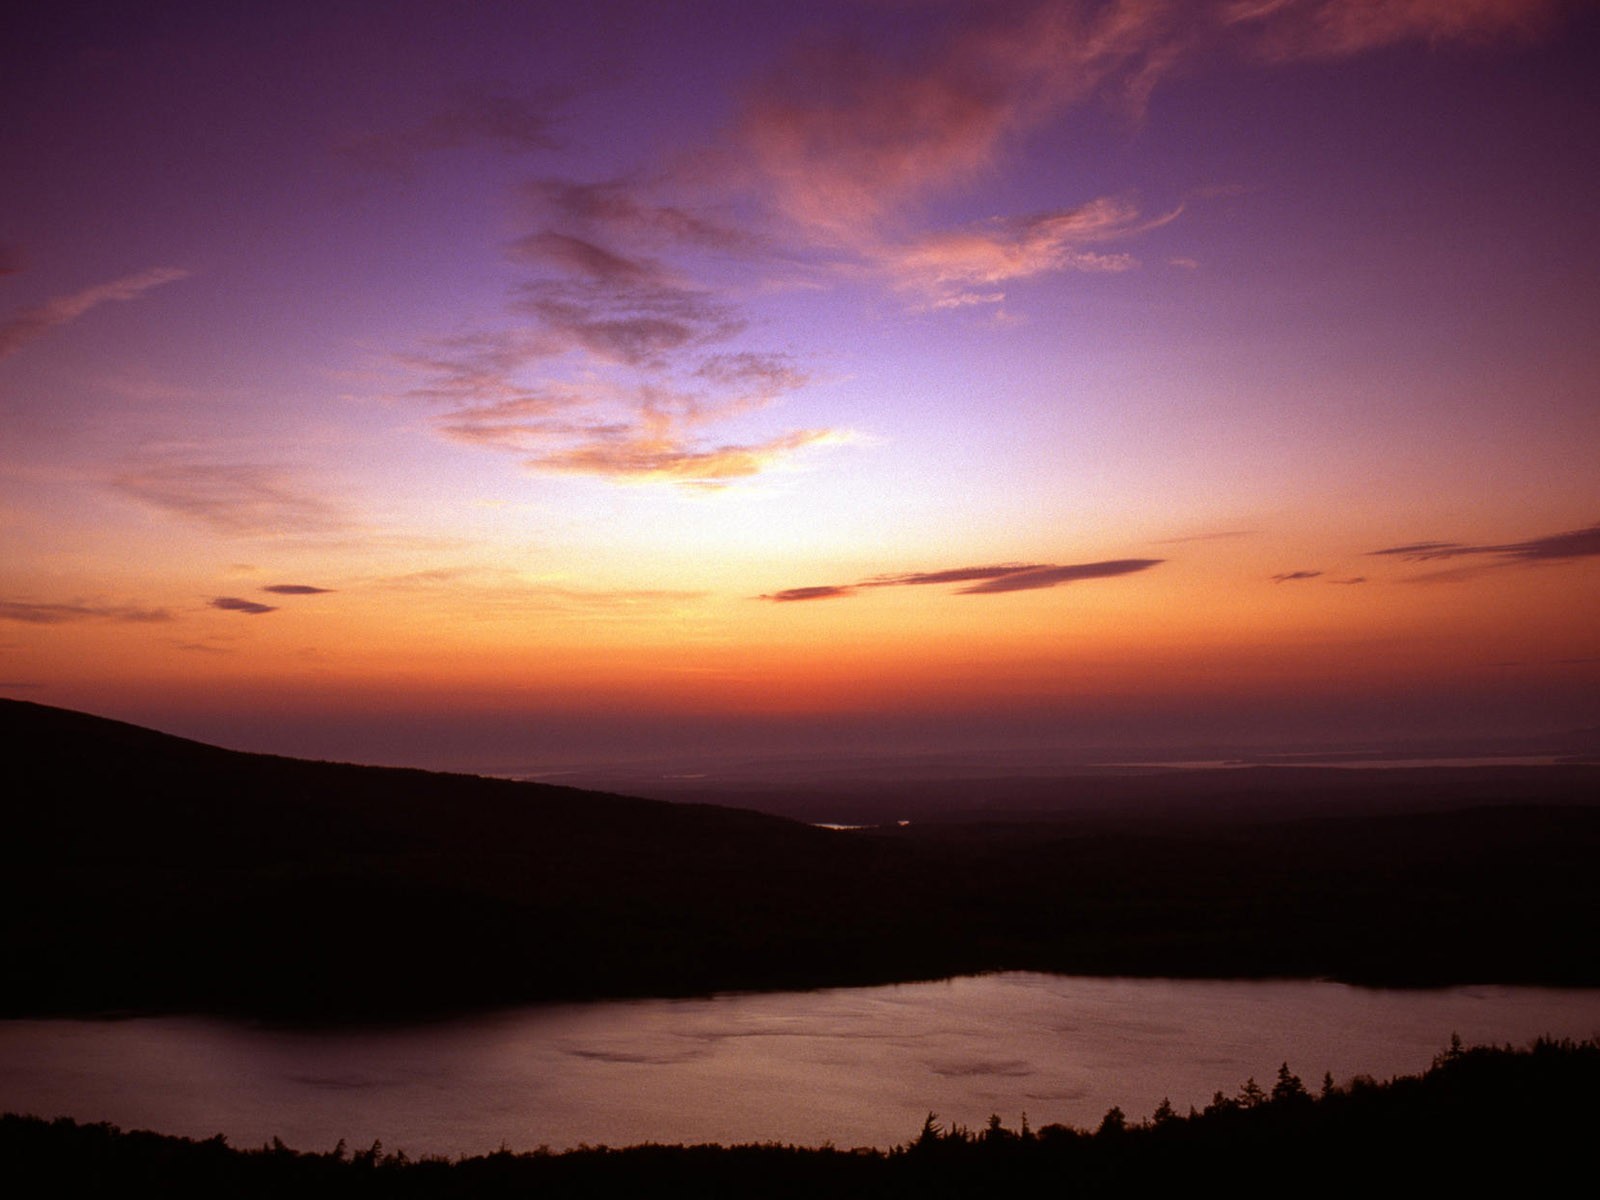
(985,580)
(1556,547)
(239,604)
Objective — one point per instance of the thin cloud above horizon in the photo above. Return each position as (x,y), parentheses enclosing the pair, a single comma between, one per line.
(54,614)
(1205,537)
(238,604)
(984,580)
(1285,30)
(1555,547)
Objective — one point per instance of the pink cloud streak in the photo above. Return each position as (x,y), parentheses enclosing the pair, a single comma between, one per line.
(33,323)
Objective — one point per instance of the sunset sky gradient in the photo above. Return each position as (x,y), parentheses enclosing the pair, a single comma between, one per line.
(499,385)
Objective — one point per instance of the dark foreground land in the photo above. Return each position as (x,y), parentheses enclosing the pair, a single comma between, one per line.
(145,873)
(1480,1122)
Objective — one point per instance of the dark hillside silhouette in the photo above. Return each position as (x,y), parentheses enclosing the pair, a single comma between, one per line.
(142,872)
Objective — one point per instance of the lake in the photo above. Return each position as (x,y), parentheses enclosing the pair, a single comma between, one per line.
(850,1066)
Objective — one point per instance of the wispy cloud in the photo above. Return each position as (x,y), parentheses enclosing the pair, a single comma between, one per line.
(625,208)
(1205,537)
(753,379)
(55,614)
(631,430)
(1555,547)
(32,323)
(1048,577)
(984,580)
(583,258)
(600,282)
(954,575)
(1288,29)
(240,499)
(628,368)
(949,264)
(821,592)
(239,604)
(633,323)
(844,146)
(624,330)
(296,589)
(644,457)
(1294,576)
(598,289)
(1421,551)
(848,135)
(844,136)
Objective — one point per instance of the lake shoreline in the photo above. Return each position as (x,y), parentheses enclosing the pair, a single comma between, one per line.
(1465,1119)
(847,1066)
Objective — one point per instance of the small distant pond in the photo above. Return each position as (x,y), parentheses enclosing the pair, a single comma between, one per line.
(850,1066)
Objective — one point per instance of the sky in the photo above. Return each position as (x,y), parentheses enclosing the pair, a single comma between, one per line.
(508,384)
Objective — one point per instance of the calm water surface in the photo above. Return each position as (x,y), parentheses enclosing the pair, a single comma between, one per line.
(851,1066)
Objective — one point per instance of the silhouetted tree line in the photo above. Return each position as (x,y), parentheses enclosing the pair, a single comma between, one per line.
(1495,1118)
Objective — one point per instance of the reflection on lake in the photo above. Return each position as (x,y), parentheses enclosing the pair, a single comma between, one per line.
(851,1066)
